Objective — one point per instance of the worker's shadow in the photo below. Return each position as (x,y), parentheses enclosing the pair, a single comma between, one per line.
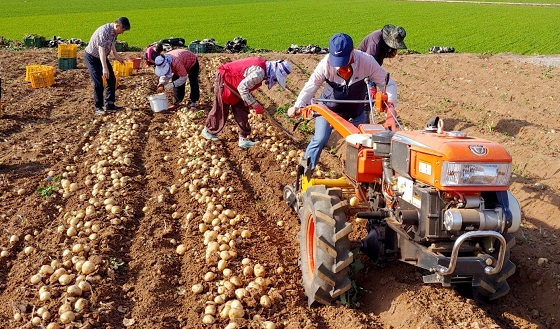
(508,127)
(24,169)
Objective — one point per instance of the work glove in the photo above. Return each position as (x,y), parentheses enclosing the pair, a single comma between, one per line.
(391,121)
(294,112)
(258,108)
(169,87)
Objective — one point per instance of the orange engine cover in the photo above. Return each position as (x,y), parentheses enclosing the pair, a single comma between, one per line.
(362,165)
(427,152)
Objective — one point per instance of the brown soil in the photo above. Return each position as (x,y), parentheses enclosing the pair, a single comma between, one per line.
(141,281)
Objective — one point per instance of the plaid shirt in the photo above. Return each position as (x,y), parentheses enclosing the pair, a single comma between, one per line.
(105,37)
(181,62)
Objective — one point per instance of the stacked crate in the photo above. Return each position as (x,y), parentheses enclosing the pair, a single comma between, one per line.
(39,75)
(67,54)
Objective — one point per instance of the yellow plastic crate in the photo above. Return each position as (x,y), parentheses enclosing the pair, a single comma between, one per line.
(129,66)
(43,78)
(67,50)
(125,69)
(116,82)
(34,68)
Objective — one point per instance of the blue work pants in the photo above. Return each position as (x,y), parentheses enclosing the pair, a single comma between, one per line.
(323,131)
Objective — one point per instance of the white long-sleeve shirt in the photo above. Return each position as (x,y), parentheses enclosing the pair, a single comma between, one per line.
(364,65)
(254,75)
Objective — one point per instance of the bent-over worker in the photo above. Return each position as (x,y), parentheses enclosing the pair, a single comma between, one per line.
(232,90)
(173,70)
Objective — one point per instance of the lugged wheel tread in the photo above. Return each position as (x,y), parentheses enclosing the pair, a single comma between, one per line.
(322,297)
(344,287)
(319,215)
(342,264)
(326,275)
(341,206)
(335,191)
(320,197)
(329,278)
(326,246)
(344,232)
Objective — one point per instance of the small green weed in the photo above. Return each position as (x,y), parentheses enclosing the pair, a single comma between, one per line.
(547,74)
(47,190)
(350,298)
(305,127)
(466,119)
(472,108)
(283,109)
(520,168)
(486,125)
(490,127)
(521,238)
(116,264)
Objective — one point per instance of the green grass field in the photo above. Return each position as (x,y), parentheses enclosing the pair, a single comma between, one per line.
(469,27)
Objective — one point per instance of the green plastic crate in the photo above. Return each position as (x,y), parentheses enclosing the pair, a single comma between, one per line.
(198,48)
(36,42)
(67,64)
(121,46)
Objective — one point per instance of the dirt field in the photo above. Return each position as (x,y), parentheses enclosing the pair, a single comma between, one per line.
(146,182)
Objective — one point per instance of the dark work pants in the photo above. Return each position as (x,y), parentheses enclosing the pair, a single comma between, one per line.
(179,92)
(96,72)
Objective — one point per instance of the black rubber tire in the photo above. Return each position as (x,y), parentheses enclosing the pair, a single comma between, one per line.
(495,286)
(324,245)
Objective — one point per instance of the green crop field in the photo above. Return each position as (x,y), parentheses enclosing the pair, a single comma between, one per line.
(468,26)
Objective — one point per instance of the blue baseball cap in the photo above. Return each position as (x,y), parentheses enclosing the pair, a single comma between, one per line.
(340,49)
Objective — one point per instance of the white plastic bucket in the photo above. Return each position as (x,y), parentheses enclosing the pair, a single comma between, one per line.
(158,102)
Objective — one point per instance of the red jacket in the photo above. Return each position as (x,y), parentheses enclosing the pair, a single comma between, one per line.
(232,73)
